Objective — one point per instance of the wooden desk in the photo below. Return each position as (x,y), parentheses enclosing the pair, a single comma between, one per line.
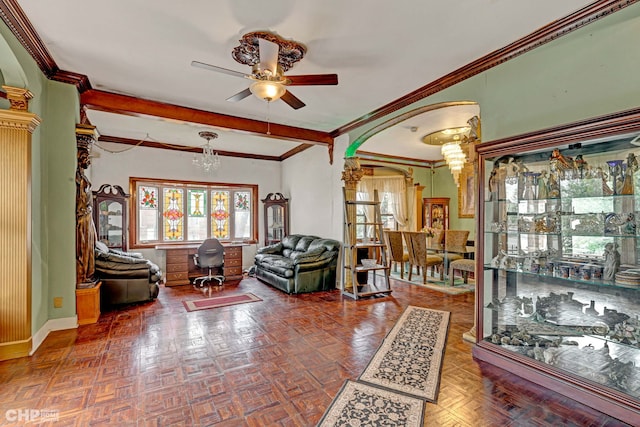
(180,267)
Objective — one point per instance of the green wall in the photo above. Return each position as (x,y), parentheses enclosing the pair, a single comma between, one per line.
(53,182)
(590,72)
(587,73)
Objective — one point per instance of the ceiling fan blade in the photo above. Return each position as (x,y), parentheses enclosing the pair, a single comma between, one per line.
(292,100)
(240,95)
(313,79)
(268,55)
(217,69)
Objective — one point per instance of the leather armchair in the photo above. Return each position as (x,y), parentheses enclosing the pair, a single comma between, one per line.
(126,277)
(299,264)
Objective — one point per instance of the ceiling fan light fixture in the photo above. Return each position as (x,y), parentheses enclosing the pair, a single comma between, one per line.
(267,90)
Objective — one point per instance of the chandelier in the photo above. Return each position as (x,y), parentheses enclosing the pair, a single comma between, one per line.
(450,141)
(208,159)
(455,158)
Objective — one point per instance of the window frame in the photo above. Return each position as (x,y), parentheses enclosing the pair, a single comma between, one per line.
(134,182)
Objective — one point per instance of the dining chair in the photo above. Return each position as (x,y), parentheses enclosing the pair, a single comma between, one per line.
(397,253)
(453,239)
(418,256)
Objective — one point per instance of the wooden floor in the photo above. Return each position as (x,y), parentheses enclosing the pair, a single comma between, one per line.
(276,362)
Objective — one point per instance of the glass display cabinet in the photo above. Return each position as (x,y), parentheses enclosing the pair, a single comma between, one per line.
(276,218)
(436,212)
(110,215)
(559,295)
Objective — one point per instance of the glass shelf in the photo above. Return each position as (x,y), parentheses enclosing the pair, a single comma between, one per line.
(559,293)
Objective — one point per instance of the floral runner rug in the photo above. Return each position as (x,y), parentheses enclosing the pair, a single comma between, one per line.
(359,404)
(409,359)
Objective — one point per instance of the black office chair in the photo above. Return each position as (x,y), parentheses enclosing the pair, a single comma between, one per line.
(210,256)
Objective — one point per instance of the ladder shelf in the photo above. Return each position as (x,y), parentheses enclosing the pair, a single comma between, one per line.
(373,278)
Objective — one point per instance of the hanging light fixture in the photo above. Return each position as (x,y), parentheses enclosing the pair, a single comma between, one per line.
(449,140)
(455,158)
(208,159)
(267,90)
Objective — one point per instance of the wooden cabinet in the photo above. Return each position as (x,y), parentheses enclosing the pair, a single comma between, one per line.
(180,268)
(276,218)
(436,212)
(110,216)
(88,304)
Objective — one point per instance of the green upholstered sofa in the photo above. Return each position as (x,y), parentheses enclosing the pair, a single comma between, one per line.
(298,264)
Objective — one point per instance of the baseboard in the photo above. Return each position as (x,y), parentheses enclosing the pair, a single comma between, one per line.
(52,325)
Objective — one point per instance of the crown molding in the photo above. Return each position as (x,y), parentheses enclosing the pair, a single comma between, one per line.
(587,15)
(15,18)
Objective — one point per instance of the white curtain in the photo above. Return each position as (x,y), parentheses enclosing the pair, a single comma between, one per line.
(396,186)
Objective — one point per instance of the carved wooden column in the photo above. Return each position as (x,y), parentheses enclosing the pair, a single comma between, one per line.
(16,127)
(85,228)
(351,175)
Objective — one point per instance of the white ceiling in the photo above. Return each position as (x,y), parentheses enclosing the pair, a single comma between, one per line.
(381,51)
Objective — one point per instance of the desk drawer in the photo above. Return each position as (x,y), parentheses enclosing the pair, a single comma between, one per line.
(177,268)
(233,252)
(173,279)
(235,262)
(232,271)
(177,252)
(177,259)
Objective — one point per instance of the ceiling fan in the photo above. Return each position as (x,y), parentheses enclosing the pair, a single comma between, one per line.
(270,56)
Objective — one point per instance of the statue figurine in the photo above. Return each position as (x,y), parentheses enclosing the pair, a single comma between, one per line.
(493,181)
(85,229)
(580,165)
(600,173)
(611,261)
(560,163)
(553,185)
(627,182)
(543,192)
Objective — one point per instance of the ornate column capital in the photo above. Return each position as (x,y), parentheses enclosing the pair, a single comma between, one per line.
(85,136)
(18,98)
(352,172)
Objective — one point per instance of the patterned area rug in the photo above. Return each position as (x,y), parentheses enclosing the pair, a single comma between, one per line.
(409,359)
(359,404)
(203,304)
(436,284)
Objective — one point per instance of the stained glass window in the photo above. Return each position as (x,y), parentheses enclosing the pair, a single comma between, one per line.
(184,211)
(196,214)
(242,211)
(173,214)
(147,213)
(220,214)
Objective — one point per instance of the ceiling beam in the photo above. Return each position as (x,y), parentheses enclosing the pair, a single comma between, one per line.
(183,148)
(129,105)
(398,160)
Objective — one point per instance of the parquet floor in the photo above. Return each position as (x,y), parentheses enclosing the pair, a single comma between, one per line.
(277,362)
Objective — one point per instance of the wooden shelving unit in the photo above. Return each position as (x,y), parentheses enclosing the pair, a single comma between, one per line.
(364,280)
